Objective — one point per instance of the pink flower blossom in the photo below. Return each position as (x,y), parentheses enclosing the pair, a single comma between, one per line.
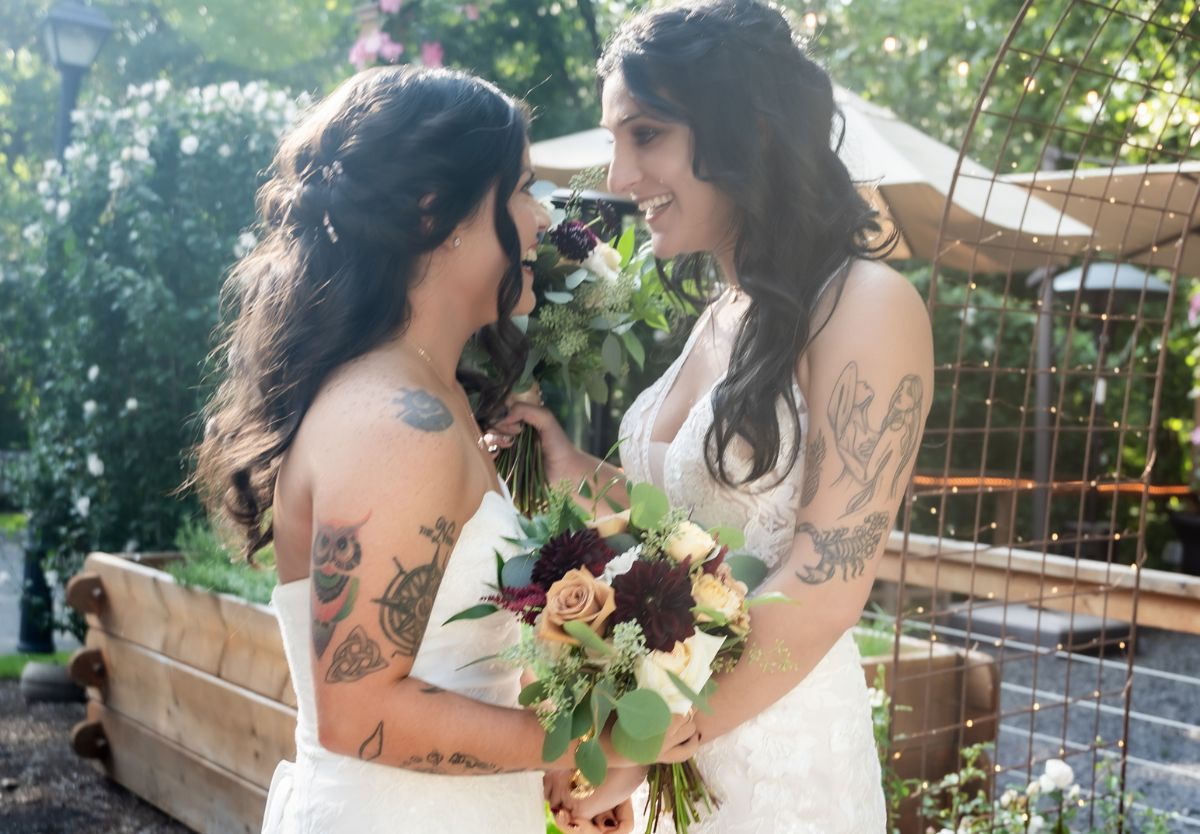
(390,6)
(1196,436)
(471,11)
(432,54)
(1194,310)
(390,50)
(366,49)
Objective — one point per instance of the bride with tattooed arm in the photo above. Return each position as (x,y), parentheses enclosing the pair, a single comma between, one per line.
(725,134)
(397,225)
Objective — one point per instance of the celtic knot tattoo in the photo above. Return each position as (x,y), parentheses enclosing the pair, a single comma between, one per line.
(357,657)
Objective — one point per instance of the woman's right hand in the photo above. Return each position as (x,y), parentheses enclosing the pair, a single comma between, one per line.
(680,743)
(562,459)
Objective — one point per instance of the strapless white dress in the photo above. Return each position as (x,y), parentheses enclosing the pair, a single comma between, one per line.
(807,764)
(327,793)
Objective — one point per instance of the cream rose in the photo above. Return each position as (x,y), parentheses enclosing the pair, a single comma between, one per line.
(577,596)
(610,525)
(691,661)
(689,539)
(604,261)
(709,591)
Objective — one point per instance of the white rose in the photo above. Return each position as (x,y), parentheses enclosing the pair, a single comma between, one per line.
(94,465)
(1045,783)
(689,539)
(600,261)
(82,505)
(690,660)
(89,408)
(621,564)
(1008,798)
(1073,794)
(131,404)
(189,145)
(1036,823)
(610,525)
(1034,789)
(710,592)
(1060,774)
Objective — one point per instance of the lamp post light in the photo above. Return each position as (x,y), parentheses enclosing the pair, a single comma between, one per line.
(73,35)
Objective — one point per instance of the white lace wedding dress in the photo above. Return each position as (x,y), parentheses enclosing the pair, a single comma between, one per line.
(807,764)
(327,793)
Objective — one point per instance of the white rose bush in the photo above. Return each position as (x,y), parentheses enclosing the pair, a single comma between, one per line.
(112,301)
(626,618)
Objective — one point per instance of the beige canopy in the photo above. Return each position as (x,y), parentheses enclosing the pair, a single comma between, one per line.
(1142,214)
(907,175)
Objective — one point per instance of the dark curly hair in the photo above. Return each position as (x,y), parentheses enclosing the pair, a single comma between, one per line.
(343,228)
(766,134)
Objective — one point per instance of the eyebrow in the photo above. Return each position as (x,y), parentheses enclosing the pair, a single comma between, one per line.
(637,114)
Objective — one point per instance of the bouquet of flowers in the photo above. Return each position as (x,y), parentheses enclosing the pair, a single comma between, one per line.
(625,618)
(592,297)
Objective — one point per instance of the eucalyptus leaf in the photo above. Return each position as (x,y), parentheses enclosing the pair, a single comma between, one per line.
(581,718)
(747,568)
(576,278)
(532,694)
(730,537)
(518,571)
(558,739)
(640,750)
(647,504)
(610,354)
(590,760)
(643,713)
(555,297)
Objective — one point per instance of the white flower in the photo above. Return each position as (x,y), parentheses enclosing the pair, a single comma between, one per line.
(709,591)
(83,505)
(188,145)
(43,188)
(246,241)
(621,564)
(689,539)
(876,697)
(1034,789)
(32,234)
(131,404)
(161,87)
(71,152)
(95,466)
(690,660)
(51,577)
(1036,823)
(51,168)
(1008,798)
(62,211)
(1045,783)
(603,261)
(89,408)
(143,110)
(117,176)
(1060,774)
(93,372)
(1073,794)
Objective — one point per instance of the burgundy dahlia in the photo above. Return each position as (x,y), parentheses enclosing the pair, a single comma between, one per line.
(527,601)
(574,240)
(659,597)
(567,551)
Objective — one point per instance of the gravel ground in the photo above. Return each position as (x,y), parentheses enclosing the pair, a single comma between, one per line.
(46,789)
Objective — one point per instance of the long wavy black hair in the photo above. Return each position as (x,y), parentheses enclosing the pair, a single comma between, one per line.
(766,133)
(373,178)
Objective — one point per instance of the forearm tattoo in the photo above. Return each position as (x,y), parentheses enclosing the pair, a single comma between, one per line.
(405,607)
(336,552)
(814,458)
(843,549)
(874,453)
(462,763)
(422,410)
(372,748)
(357,657)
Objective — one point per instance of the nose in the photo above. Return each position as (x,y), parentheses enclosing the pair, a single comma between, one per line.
(543,220)
(623,173)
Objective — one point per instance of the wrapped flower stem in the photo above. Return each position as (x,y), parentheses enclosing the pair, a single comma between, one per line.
(677,790)
(521,465)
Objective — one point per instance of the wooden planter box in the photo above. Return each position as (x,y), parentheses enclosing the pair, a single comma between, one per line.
(953,696)
(190,703)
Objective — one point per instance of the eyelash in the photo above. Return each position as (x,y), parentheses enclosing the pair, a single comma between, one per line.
(645,135)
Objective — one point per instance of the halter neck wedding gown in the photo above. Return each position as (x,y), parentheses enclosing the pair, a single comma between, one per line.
(327,793)
(807,764)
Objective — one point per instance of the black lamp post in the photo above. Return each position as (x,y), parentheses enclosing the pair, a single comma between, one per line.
(73,35)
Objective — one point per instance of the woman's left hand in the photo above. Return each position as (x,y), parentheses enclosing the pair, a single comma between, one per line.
(618,820)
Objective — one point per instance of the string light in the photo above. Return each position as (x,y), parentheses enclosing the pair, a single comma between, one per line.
(964,69)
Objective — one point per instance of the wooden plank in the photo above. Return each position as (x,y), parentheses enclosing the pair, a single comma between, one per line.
(233,728)
(202,796)
(219,634)
(1164,600)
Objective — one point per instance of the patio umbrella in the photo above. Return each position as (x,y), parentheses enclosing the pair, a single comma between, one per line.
(1142,214)
(992,226)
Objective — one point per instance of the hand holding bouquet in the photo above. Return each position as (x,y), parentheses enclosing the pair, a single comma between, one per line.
(626,618)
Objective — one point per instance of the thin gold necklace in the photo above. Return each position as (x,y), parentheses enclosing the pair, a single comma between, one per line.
(480,441)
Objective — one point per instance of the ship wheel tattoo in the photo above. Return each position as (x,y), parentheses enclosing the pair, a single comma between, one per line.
(408,602)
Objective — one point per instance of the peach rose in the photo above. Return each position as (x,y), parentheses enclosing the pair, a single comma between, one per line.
(610,525)
(578,596)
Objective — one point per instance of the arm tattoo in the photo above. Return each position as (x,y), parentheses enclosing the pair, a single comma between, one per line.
(408,602)
(432,763)
(372,748)
(357,657)
(843,548)
(869,451)
(423,410)
(814,457)
(336,551)
(431,690)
